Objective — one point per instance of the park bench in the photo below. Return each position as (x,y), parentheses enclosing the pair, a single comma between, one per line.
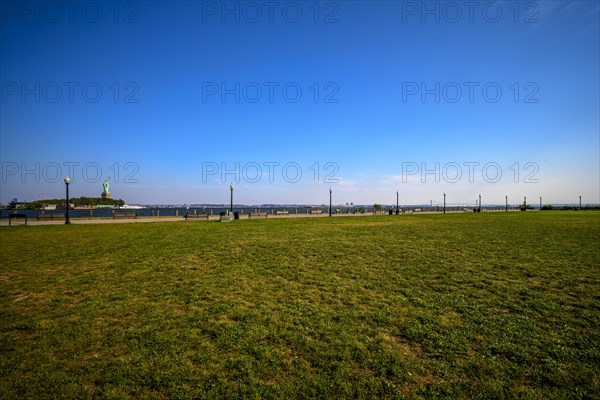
(16,216)
(42,216)
(124,214)
(257,215)
(196,216)
(284,212)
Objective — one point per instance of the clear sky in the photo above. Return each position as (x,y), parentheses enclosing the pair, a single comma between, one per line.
(176,100)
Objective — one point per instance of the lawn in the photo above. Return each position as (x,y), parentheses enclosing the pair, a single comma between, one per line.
(492,305)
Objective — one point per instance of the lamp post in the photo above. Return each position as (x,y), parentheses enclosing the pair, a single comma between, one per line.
(444,203)
(479,203)
(540,203)
(397,204)
(330,202)
(525,202)
(580,202)
(231,198)
(67,221)
(506,201)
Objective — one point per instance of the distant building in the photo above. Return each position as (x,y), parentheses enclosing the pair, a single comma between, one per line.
(17,204)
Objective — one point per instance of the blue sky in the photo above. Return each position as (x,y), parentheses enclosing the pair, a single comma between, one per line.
(176,100)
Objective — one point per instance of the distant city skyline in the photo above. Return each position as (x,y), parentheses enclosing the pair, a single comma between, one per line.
(174,101)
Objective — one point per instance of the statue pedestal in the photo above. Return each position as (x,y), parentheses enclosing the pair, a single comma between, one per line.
(105,195)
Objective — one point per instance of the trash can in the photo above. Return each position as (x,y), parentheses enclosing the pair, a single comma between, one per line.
(236,215)
(391,212)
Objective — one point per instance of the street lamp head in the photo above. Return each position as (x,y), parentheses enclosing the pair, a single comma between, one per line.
(231,186)
(67,180)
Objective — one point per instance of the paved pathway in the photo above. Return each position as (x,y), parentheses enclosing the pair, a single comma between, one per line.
(78,221)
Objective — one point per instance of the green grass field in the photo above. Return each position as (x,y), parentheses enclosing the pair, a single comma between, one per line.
(493,305)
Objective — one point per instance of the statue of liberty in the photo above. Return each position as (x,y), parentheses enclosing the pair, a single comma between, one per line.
(105,193)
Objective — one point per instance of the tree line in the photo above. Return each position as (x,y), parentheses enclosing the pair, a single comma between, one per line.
(76,202)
